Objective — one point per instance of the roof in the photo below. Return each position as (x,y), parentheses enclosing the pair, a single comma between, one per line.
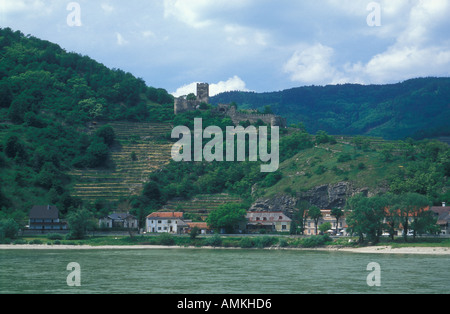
(442,213)
(44,212)
(166,215)
(200,225)
(120,216)
(267,217)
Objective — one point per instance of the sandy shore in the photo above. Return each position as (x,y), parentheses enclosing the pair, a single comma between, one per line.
(367,250)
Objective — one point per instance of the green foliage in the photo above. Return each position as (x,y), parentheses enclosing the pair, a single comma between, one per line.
(414,108)
(8,229)
(166,239)
(50,96)
(80,222)
(315,241)
(227,217)
(214,241)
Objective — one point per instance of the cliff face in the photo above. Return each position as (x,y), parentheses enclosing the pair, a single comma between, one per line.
(325,196)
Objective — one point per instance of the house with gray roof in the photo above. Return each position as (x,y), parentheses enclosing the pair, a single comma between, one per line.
(443,218)
(119,220)
(45,218)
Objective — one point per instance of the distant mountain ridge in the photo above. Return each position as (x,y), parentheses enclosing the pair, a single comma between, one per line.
(417,108)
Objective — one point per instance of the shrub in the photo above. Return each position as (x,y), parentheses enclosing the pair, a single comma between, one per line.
(214,241)
(166,239)
(246,243)
(265,241)
(55,236)
(315,241)
(35,241)
(283,242)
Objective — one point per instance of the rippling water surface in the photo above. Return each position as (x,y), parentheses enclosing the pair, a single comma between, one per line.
(196,271)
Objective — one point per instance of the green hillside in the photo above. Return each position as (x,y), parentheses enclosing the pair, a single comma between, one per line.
(415,108)
(139,150)
(78,135)
(55,145)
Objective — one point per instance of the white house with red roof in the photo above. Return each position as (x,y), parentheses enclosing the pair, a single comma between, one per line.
(165,222)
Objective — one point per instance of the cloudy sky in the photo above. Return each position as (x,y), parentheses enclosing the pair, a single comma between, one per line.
(257,45)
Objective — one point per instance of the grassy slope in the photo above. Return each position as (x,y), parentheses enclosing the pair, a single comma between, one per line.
(300,173)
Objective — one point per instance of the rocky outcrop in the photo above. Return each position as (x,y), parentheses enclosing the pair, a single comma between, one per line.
(324,196)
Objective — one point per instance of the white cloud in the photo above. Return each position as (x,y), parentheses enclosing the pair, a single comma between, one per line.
(400,63)
(416,51)
(121,40)
(107,8)
(28,8)
(242,36)
(312,65)
(201,13)
(188,12)
(232,84)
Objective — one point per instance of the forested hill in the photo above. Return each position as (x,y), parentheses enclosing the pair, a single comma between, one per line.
(37,76)
(50,101)
(417,108)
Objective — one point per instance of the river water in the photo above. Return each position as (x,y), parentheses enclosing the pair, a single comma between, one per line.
(219,271)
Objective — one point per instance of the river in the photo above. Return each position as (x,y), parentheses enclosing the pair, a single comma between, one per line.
(219,271)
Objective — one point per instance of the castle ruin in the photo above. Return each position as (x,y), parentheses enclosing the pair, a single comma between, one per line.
(183,104)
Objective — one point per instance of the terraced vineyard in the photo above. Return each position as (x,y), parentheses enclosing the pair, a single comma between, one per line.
(201,205)
(143,141)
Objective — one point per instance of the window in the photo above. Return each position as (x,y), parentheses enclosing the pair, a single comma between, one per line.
(159,221)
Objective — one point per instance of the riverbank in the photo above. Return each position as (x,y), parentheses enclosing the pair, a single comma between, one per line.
(365,250)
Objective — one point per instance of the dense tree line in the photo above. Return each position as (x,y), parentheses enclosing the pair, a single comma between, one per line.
(415,108)
(409,212)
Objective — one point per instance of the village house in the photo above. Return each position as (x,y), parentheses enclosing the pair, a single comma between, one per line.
(443,218)
(118,221)
(201,226)
(166,222)
(268,222)
(310,227)
(45,218)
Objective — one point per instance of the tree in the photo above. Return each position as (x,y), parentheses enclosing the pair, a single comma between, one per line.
(227,217)
(106,133)
(392,219)
(152,192)
(80,222)
(315,214)
(366,217)
(299,217)
(8,229)
(194,232)
(325,227)
(411,207)
(97,154)
(337,213)
(6,95)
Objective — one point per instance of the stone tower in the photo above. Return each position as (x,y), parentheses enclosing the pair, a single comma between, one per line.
(203,93)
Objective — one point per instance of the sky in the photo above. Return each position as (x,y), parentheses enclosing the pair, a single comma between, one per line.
(249,45)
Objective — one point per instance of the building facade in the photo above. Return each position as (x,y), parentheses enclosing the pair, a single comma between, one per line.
(119,220)
(268,222)
(310,227)
(45,218)
(166,222)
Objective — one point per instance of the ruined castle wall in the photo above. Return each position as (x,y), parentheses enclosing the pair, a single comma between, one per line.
(182,105)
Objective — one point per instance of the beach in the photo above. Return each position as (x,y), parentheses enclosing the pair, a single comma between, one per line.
(366,250)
